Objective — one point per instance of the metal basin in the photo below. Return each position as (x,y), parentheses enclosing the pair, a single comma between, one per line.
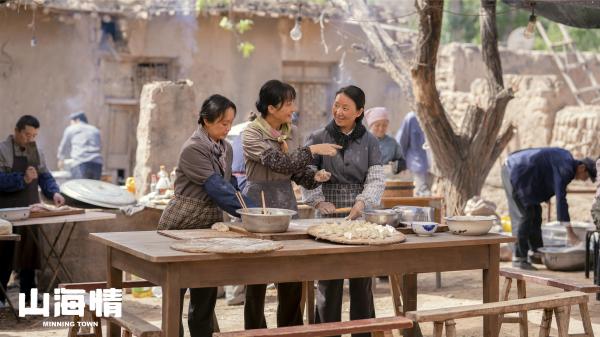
(276,220)
(408,214)
(563,258)
(382,217)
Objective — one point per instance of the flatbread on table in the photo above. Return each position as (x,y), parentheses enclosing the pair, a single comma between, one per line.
(358,232)
(227,245)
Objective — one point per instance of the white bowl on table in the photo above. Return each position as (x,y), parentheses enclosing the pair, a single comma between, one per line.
(423,228)
(470,224)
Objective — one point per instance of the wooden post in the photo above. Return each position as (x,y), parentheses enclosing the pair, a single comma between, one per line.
(561,321)
(114,280)
(438,328)
(171,317)
(491,289)
(450,328)
(409,296)
(585,318)
(546,322)
(523,325)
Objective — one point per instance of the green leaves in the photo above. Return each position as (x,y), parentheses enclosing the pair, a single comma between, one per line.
(226,24)
(239,28)
(246,48)
(244,25)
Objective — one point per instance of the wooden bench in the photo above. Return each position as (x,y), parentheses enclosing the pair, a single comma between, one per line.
(523,278)
(378,327)
(131,324)
(555,303)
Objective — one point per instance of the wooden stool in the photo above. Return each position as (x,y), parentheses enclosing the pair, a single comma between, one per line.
(557,303)
(378,327)
(522,279)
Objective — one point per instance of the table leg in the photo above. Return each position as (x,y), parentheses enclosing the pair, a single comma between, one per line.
(59,263)
(46,262)
(491,289)
(46,257)
(170,308)
(114,280)
(10,305)
(409,296)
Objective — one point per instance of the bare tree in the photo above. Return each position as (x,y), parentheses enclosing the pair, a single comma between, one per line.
(464,157)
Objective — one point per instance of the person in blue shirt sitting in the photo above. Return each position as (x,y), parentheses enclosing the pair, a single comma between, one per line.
(533,176)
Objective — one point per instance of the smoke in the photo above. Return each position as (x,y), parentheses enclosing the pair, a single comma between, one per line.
(187,27)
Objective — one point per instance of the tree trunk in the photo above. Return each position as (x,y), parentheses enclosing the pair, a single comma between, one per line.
(464,157)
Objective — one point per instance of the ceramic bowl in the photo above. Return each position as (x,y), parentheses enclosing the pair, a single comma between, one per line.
(470,225)
(423,228)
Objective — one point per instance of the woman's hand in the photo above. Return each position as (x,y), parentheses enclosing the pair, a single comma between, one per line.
(58,199)
(356,210)
(325,149)
(325,207)
(322,176)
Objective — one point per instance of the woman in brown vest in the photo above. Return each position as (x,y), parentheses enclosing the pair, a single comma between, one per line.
(202,193)
(274,158)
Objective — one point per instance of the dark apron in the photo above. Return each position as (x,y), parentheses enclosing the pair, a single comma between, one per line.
(278,194)
(330,292)
(341,196)
(26,252)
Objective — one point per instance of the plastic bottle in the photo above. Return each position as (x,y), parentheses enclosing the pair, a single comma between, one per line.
(162,172)
(163,183)
(506,223)
(140,292)
(130,184)
(153,182)
(157,292)
(172,177)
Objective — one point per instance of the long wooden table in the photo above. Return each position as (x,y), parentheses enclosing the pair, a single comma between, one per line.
(147,254)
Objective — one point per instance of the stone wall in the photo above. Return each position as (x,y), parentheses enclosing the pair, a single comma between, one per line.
(168,117)
(576,128)
(67,71)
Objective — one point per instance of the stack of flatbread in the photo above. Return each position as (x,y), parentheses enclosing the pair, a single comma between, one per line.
(5,227)
(227,245)
(49,208)
(356,232)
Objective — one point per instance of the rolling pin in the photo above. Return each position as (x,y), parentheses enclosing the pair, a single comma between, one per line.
(342,210)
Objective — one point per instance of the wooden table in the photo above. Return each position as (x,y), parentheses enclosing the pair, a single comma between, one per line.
(298,230)
(57,246)
(147,254)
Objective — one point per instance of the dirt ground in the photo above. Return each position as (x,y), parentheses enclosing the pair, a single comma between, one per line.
(458,288)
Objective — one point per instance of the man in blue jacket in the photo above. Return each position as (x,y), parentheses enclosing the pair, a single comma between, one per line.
(533,176)
(22,170)
(81,144)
